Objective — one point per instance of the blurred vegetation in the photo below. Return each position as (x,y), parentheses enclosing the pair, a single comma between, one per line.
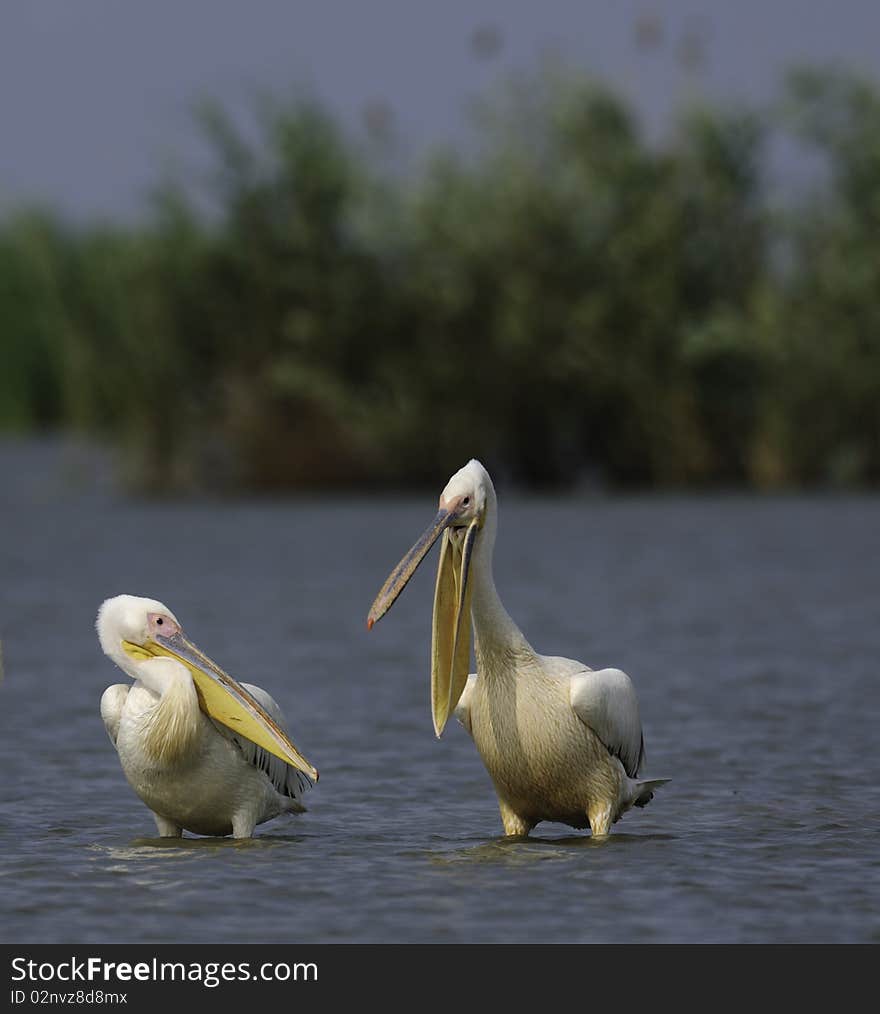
(567,301)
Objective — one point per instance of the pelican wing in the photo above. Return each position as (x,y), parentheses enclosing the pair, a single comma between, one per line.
(605,701)
(112,702)
(286,779)
(463,708)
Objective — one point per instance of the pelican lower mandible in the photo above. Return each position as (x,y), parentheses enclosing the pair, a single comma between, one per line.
(204,752)
(561,741)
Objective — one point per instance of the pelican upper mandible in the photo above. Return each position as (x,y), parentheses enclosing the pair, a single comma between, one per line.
(560,741)
(204,752)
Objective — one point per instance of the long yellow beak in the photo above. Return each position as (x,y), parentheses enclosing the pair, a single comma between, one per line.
(399,577)
(451,628)
(226,700)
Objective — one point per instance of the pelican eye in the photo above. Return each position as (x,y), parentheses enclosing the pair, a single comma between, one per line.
(159,622)
(466,502)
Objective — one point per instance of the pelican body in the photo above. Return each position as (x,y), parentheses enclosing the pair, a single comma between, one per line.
(560,741)
(204,752)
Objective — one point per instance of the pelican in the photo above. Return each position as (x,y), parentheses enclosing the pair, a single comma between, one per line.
(560,741)
(204,752)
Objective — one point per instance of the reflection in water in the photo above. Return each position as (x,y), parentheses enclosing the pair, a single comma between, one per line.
(210,844)
(503,852)
(523,851)
(141,853)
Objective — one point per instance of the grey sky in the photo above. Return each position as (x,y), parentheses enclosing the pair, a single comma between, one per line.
(95,95)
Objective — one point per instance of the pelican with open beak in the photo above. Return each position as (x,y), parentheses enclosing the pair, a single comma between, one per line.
(204,752)
(560,741)
(458,520)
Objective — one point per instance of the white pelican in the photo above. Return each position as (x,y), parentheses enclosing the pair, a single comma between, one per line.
(560,741)
(204,752)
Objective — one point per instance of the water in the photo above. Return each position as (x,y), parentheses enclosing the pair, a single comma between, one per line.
(749,626)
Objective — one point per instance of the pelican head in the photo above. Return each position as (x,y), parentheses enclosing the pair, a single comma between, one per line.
(465,504)
(134,632)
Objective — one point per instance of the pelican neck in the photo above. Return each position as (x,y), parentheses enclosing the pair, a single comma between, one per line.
(496,632)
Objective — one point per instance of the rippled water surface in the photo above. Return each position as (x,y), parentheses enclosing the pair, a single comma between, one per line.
(751,628)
